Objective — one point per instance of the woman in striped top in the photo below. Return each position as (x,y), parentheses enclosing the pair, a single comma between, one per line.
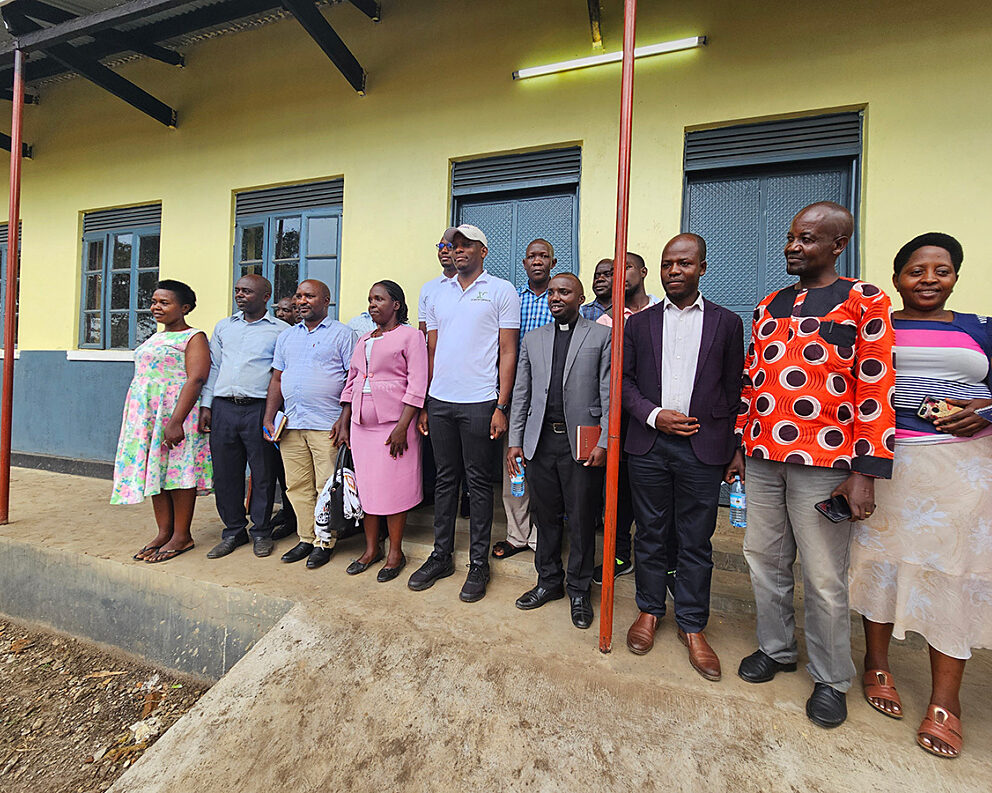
(923,560)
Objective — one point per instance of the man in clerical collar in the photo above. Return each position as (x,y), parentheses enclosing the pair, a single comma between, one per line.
(562,387)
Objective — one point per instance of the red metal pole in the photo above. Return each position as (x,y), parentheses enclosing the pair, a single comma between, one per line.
(10,297)
(616,358)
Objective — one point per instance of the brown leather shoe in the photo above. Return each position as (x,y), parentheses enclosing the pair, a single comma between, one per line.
(701,655)
(640,637)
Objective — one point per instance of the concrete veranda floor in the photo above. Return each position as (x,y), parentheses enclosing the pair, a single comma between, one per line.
(365,686)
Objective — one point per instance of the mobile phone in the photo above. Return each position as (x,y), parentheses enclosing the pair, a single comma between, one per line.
(834,509)
(932,409)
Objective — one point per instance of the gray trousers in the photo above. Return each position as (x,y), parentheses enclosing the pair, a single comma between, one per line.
(781,520)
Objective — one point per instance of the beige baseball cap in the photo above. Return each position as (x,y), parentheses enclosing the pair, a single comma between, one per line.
(468,231)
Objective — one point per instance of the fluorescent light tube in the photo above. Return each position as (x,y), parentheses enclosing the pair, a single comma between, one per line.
(610,57)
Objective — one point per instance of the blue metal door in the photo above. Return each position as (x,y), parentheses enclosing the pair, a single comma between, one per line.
(744,216)
(512,221)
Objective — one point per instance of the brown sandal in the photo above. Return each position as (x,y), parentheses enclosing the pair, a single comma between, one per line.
(877,683)
(944,726)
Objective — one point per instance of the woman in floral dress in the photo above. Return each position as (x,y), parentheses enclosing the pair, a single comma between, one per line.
(161,453)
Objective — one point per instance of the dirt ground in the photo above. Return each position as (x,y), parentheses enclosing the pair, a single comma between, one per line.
(74,716)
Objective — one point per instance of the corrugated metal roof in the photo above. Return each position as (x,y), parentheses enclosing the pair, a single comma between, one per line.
(82,7)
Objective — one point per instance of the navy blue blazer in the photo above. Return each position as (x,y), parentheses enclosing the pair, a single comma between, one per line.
(716,390)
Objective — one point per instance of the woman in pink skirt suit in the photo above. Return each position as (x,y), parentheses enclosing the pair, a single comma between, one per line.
(385,390)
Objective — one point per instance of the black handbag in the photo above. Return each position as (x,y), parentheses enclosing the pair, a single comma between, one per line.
(332,518)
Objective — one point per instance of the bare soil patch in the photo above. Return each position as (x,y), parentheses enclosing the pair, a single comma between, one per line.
(74,716)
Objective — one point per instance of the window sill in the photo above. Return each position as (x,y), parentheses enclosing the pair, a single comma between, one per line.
(17,354)
(99,355)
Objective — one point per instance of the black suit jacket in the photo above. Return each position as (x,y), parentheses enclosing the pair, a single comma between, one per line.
(716,390)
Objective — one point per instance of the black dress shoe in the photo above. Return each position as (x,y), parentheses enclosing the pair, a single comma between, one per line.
(226,546)
(262,546)
(826,707)
(581,611)
(319,557)
(357,567)
(537,597)
(300,551)
(760,668)
(389,573)
(283,530)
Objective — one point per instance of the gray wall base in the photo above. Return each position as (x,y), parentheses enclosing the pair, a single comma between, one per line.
(190,626)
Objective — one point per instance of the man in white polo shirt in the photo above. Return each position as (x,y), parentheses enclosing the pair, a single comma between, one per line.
(472,329)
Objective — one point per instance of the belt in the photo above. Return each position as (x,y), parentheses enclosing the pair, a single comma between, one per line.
(557,427)
(243,400)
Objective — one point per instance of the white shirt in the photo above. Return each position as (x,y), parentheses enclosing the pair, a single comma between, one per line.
(367,388)
(427,292)
(468,323)
(681,336)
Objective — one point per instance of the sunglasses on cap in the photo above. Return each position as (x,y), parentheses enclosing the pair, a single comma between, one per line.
(444,246)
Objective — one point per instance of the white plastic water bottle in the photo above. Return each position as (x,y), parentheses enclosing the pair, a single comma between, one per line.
(738,504)
(517,481)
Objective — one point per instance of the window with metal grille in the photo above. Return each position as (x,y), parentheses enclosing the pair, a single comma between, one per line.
(744,184)
(119,273)
(3,284)
(289,234)
(517,198)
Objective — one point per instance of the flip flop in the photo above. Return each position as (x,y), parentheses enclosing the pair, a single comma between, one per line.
(165,556)
(877,683)
(504,549)
(944,726)
(139,556)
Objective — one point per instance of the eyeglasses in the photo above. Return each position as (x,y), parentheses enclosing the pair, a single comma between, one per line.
(444,246)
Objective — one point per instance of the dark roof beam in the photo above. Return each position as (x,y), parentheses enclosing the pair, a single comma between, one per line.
(95,72)
(88,24)
(29,99)
(111,81)
(6,143)
(330,42)
(163,30)
(371,8)
(124,41)
(595,24)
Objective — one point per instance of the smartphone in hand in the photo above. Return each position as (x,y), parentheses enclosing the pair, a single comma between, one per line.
(834,509)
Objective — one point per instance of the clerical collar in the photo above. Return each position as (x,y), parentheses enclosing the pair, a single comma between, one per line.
(563,326)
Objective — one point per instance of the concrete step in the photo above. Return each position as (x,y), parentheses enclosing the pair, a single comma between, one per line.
(730,594)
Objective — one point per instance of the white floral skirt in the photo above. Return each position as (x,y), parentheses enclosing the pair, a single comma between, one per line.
(923,561)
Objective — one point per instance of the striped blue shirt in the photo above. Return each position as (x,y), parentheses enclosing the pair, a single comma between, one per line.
(314,365)
(534,311)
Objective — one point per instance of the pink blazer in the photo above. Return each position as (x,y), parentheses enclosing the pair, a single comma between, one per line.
(398,372)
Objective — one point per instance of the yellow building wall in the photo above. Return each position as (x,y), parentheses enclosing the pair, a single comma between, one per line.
(266,107)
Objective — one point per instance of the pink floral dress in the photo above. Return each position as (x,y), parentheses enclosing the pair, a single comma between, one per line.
(144,465)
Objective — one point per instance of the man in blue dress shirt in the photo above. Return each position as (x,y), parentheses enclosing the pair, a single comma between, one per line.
(309,369)
(232,407)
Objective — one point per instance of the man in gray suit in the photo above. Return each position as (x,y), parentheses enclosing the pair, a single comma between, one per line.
(563,383)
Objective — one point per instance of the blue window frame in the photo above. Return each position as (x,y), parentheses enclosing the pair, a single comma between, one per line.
(289,247)
(119,273)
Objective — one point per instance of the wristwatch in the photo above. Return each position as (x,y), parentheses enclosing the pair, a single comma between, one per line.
(503,408)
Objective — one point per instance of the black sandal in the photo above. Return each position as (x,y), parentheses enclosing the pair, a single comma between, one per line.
(140,555)
(389,573)
(504,549)
(165,556)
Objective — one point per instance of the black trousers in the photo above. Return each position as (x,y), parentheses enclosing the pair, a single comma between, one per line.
(288,514)
(673,491)
(459,434)
(236,440)
(560,487)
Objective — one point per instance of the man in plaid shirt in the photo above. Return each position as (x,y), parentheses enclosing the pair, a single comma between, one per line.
(539,261)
